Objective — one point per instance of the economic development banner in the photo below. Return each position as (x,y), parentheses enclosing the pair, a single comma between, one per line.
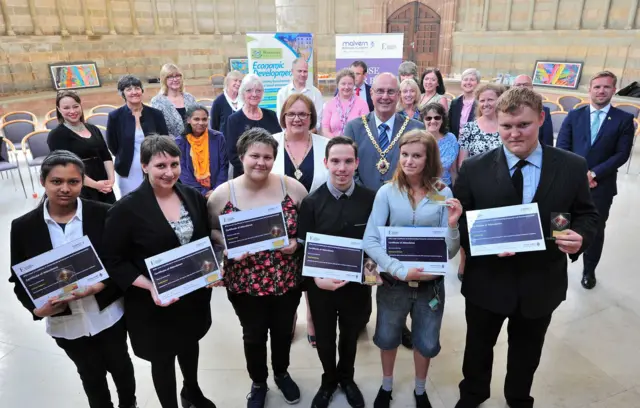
(381,52)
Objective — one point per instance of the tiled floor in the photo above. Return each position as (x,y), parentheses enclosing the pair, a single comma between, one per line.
(591,357)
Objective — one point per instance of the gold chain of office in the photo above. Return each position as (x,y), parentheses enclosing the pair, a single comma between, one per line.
(383,165)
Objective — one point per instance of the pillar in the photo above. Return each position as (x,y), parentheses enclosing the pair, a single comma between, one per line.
(297,16)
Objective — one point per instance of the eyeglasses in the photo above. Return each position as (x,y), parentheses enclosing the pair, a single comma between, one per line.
(430,118)
(301,115)
(174,77)
(381,92)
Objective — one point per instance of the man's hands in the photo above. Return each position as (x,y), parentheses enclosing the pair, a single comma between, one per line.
(570,242)
(592,179)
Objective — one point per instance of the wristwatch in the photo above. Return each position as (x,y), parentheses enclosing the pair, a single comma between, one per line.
(593,174)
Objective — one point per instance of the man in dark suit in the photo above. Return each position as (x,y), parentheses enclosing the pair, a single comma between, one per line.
(603,135)
(545,134)
(526,287)
(362,89)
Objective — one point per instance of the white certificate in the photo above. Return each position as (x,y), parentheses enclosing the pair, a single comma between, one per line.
(258,229)
(184,269)
(515,228)
(60,271)
(326,256)
(417,247)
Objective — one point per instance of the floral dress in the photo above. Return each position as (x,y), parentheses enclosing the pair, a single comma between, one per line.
(475,141)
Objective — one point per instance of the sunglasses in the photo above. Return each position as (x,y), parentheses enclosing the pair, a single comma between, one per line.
(430,118)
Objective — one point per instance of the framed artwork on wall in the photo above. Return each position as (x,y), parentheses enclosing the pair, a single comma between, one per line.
(239,64)
(557,74)
(74,75)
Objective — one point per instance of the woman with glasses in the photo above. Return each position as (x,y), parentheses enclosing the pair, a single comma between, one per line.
(172,100)
(409,98)
(432,88)
(435,121)
(250,116)
(344,107)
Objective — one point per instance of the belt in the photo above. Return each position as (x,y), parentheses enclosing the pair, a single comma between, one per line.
(391,280)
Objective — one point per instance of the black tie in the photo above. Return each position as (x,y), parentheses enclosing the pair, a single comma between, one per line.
(517,179)
(343,197)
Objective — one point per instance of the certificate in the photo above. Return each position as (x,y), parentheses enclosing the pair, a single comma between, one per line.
(57,273)
(515,228)
(326,256)
(259,229)
(184,269)
(417,247)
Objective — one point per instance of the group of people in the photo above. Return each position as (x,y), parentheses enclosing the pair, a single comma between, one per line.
(389,154)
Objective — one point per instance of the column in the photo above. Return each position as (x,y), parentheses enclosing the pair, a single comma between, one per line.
(632,14)
(88,29)
(156,19)
(297,16)
(134,21)
(111,23)
(485,15)
(174,17)
(215,17)
(257,13)
(580,13)
(554,15)
(34,18)
(605,15)
(532,11)
(236,15)
(447,25)
(6,18)
(194,18)
(507,19)
(63,24)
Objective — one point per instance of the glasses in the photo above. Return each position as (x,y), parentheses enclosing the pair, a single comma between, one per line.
(381,92)
(430,118)
(174,77)
(301,115)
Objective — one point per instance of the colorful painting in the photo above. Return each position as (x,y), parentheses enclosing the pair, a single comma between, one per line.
(557,74)
(75,75)
(239,64)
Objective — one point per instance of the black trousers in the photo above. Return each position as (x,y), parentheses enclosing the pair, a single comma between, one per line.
(94,356)
(526,338)
(163,373)
(591,256)
(346,308)
(260,317)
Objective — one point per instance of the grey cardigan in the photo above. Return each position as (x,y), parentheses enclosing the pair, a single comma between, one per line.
(171,115)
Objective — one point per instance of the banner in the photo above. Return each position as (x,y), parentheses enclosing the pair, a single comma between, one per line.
(381,52)
(271,56)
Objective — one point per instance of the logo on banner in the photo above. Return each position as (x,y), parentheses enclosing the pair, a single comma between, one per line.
(266,53)
(357,45)
(386,46)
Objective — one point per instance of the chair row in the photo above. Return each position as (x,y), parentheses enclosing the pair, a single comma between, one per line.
(16,130)
(35,143)
(566,104)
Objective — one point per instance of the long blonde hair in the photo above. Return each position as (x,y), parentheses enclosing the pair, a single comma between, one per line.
(165,71)
(409,83)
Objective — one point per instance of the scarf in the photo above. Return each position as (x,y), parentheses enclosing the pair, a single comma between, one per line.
(200,158)
(344,115)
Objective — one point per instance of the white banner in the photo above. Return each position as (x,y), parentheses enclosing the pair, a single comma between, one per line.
(381,52)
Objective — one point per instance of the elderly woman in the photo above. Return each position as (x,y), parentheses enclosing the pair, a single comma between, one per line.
(435,121)
(172,100)
(226,103)
(127,127)
(203,160)
(408,70)
(263,287)
(463,107)
(432,88)
(250,116)
(409,97)
(344,107)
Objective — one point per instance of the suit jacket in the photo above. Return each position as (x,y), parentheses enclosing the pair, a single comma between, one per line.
(535,282)
(367,88)
(137,229)
(610,150)
(545,133)
(320,172)
(455,112)
(121,133)
(367,174)
(218,162)
(30,237)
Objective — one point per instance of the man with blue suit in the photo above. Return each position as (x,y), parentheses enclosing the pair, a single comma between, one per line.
(545,133)
(362,89)
(603,135)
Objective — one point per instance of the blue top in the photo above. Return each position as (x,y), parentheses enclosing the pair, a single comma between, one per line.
(449,149)
(426,214)
(218,162)
(416,114)
(530,172)
(306,167)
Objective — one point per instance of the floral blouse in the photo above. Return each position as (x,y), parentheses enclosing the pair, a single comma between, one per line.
(475,141)
(267,272)
(449,149)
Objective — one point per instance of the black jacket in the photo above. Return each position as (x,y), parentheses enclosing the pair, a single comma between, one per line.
(455,112)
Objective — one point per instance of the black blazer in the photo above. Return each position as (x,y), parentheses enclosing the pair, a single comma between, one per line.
(121,130)
(536,282)
(30,238)
(367,88)
(137,229)
(455,111)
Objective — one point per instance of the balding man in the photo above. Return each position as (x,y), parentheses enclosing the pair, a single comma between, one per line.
(298,84)
(545,134)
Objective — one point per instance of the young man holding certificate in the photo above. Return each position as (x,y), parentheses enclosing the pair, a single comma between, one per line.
(338,208)
(526,287)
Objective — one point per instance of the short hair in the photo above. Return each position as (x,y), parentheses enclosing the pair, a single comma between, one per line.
(189,113)
(293,98)
(67,94)
(230,76)
(518,97)
(441,88)
(440,110)
(60,158)
(166,71)
(299,59)
(253,136)
(343,73)
(249,82)
(157,144)
(360,64)
(340,140)
(432,167)
(127,81)
(471,71)
(497,88)
(411,83)
(408,68)
(604,74)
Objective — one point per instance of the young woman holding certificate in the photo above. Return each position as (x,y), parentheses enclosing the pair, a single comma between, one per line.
(158,216)
(88,325)
(262,287)
(413,198)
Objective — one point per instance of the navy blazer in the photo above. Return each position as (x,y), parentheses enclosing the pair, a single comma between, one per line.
(610,150)
(220,111)
(367,88)
(121,131)
(545,134)
(218,162)
(455,112)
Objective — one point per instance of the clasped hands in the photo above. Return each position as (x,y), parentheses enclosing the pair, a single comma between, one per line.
(57,305)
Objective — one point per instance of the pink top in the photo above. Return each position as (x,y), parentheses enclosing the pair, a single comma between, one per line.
(467,105)
(331,115)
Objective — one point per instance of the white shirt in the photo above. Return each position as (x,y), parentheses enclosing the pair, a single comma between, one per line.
(363,91)
(313,93)
(391,122)
(86,319)
(231,102)
(603,114)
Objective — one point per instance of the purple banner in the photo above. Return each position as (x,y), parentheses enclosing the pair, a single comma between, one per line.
(375,66)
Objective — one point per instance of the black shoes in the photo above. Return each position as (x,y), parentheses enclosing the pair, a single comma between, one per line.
(323,397)
(588,280)
(258,395)
(383,399)
(422,401)
(407,340)
(288,387)
(353,394)
(194,399)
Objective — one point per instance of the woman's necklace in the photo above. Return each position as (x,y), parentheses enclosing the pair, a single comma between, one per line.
(79,128)
(296,165)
